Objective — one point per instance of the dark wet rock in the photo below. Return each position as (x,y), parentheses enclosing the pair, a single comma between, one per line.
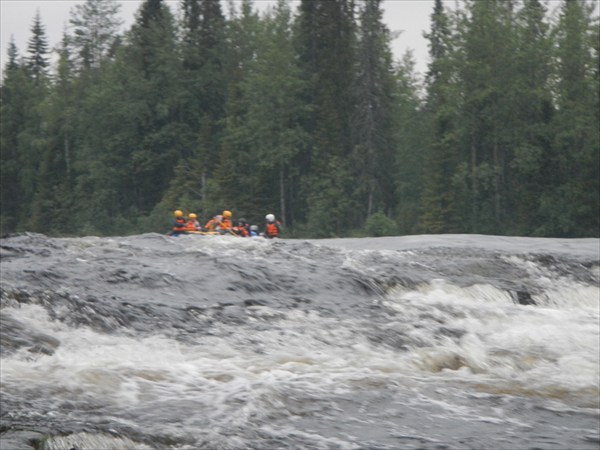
(524,298)
(91,441)
(20,440)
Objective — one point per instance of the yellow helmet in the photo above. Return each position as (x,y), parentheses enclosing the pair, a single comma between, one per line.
(178,213)
(192,216)
(227,214)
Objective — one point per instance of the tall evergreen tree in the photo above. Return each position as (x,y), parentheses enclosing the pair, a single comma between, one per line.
(203,33)
(271,124)
(533,109)
(37,60)
(33,134)
(234,179)
(488,73)
(134,141)
(50,210)
(442,107)
(372,124)
(308,118)
(14,92)
(204,84)
(571,207)
(412,136)
(331,208)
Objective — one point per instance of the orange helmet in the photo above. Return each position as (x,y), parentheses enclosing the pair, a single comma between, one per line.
(178,213)
(227,214)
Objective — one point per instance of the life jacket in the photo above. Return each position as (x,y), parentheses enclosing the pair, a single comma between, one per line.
(179,225)
(243,231)
(211,224)
(272,230)
(191,225)
(226,224)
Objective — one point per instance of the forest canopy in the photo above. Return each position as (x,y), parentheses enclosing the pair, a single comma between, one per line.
(302,111)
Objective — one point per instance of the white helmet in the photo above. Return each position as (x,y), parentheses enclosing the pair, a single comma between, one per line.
(270,218)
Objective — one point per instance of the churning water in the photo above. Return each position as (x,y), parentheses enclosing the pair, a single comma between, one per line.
(428,342)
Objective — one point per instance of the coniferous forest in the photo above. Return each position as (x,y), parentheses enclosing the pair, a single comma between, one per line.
(302,111)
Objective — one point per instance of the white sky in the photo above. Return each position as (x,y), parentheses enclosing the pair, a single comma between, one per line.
(411,17)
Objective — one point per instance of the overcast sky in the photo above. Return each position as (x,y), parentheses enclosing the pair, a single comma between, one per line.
(411,17)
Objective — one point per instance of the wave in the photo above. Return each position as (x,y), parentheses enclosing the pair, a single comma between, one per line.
(155,342)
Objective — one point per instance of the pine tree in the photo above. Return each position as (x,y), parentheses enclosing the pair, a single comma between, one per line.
(234,181)
(52,202)
(533,109)
(32,136)
(372,119)
(205,85)
(133,137)
(272,122)
(488,74)
(442,106)
(412,138)
(14,91)
(37,52)
(571,207)
(328,47)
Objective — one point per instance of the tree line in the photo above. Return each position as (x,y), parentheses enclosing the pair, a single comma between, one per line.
(305,113)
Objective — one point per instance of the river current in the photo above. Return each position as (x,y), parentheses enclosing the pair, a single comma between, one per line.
(204,342)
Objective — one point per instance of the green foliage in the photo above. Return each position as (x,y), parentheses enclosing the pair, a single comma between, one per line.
(37,60)
(95,24)
(373,124)
(307,116)
(439,206)
(379,224)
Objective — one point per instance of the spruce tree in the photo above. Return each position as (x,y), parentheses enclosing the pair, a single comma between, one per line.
(533,108)
(14,91)
(412,135)
(372,125)
(52,203)
(488,74)
(135,134)
(37,60)
(571,207)
(205,85)
(442,108)
(272,122)
(233,184)
(331,209)
(32,137)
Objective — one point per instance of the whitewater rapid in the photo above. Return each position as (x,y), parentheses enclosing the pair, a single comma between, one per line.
(428,342)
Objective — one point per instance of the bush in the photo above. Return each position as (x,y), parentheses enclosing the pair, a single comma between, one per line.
(379,224)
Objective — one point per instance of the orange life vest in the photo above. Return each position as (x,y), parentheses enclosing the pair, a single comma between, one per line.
(191,225)
(179,225)
(226,224)
(243,231)
(272,230)
(211,224)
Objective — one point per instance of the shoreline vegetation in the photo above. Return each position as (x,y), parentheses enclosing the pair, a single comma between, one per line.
(303,111)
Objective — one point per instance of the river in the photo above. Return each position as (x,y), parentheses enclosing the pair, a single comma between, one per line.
(204,342)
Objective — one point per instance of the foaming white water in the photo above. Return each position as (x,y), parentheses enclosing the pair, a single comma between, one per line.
(212,385)
(289,344)
(92,441)
(560,291)
(472,333)
(478,333)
